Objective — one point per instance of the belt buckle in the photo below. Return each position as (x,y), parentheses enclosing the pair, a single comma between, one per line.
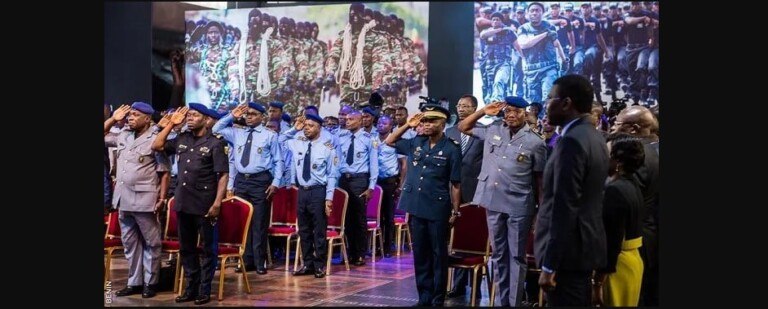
(349,175)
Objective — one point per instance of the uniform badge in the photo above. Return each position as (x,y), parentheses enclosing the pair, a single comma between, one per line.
(415,163)
(258,150)
(141,159)
(359,155)
(182,146)
(336,161)
(496,137)
(314,166)
(375,143)
(440,153)
(521,157)
(204,149)
(329,145)
(226,150)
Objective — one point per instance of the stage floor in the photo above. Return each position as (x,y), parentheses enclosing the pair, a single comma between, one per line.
(388,282)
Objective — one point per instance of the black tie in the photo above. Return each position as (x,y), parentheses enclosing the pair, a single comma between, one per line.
(307,160)
(246,158)
(351,151)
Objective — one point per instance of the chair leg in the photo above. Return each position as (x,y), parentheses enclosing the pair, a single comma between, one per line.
(381,242)
(177,273)
(410,239)
(491,286)
(344,252)
(288,252)
(541,297)
(221,277)
(450,279)
(107,267)
(297,255)
(330,254)
(473,299)
(398,238)
(373,246)
(269,254)
(245,278)
(181,279)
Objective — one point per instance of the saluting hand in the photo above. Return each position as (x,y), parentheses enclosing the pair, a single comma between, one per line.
(493,108)
(179,115)
(415,120)
(121,112)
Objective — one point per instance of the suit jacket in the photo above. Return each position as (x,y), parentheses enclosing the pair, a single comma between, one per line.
(471,163)
(570,234)
(648,178)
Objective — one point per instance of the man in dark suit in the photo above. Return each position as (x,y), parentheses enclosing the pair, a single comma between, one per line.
(570,237)
(471,161)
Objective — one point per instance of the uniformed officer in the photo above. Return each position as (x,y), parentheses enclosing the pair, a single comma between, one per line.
(391,172)
(203,173)
(343,112)
(140,171)
(325,135)
(276,113)
(315,166)
(257,156)
(434,162)
(369,118)
(513,162)
(359,168)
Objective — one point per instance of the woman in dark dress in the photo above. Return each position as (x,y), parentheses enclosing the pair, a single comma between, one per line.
(618,284)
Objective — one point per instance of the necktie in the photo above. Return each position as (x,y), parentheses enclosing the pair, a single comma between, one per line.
(464,143)
(307,161)
(351,151)
(246,158)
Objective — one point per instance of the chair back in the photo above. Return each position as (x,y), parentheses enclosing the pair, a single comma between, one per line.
(338,210)
(470,231)
(285,206)
(171,228)
(113,226)
(373,209)
(234,219)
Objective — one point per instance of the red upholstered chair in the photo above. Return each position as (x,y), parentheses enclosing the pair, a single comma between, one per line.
(470,246)
(402,230)
(112,242)
(234,219)
(373,215)
(283,221)
(170,242)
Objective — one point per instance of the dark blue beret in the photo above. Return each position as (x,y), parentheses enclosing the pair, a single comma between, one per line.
(286,117)
(314,118)
(370,111)
(276,104)
(143,107)
(257,106)
(516,101)
(199,107)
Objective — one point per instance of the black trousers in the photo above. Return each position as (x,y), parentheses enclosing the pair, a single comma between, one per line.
(356,224)
(430,259)
(252,188)
(313,224)
(198,268)
(388,187)
(574,288)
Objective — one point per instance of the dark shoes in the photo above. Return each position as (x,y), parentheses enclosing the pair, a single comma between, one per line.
(149,291)
(319,273)
(359,262)
(304,271)
(261,271)
(456,293)
(187,296)
(202,299)
(130,290)
(247,268)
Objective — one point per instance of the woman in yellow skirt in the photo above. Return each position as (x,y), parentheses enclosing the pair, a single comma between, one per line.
(618,284)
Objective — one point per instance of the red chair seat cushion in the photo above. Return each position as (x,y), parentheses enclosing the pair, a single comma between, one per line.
(281,230)
(114,242)
(171,245)
(399,220)
(371,224)
(331,233)
(468,260)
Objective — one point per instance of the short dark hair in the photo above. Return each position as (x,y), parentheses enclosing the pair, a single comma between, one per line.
(402,108)
(471,99)
(627,150)
(579,89)
(537,106)
(331,118)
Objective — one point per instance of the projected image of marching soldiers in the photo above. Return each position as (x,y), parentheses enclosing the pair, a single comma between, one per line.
(614,44)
